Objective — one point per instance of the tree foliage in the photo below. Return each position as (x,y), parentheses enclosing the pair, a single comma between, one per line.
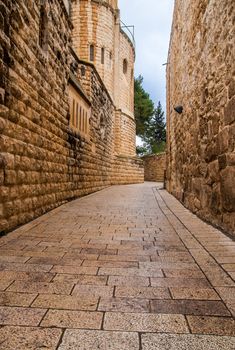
(150,123)
(155,131)
(144,107)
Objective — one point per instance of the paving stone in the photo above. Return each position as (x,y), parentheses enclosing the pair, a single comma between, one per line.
(96,340)
(66,302)
(112,264)
(166,265)
(124,305)
(24,267)
(180,273)
(80,270)
(189,307)
(194,293)
(107,252)
(212,325)
(81,256)
(19,316)
(41,287)
(16,299)
(171,259)
(73,319)
(142,292)
(55,261)
(134,322)
(128,281)
(26,276)
(99,251)
(29,338)
(180,282)
(93,291)
(124,258)
(14,259)
(186,342)
(82,279)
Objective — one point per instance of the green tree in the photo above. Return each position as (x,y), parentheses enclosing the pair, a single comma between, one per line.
(155,131)
(144,107)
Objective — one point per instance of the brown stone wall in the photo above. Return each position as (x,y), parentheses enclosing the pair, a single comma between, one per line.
(34,110)
(45,162)
(201,78)
(154,167)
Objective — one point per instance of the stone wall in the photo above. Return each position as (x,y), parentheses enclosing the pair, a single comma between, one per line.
(201,140)
(154,167)
(44,161)
(97,23)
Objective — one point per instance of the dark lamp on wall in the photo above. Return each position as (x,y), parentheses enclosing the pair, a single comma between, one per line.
(179,109)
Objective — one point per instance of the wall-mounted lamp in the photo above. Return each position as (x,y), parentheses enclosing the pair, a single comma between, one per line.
(179,109)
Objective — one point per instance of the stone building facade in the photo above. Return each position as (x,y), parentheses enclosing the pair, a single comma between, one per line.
(201,140)
(60,125)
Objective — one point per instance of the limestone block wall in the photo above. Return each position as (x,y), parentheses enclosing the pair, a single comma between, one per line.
(126,79)
(201,140)
(94,24)
(34,110)
(154,167)
(44,161)
(97,23)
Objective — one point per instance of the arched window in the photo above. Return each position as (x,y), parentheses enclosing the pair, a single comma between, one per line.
(102,55)
(43,28)
(92,53)
(125,66)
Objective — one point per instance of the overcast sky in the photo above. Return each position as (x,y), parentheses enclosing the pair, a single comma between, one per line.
(152,20)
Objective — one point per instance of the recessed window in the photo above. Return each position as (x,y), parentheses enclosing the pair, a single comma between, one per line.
(102,55)
(92,53)
(125,66)
(43,28)
(79,112)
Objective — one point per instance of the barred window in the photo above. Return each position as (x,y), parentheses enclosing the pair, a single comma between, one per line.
(92,53)
(102,55)
(79,112)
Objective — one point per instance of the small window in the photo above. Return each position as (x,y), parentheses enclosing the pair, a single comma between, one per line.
(43,28)
(102,55)
(124,66)
(92,53)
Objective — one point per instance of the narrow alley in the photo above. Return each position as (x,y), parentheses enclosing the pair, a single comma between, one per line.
(126,268)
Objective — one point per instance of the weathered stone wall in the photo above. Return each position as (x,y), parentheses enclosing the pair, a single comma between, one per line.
(34,111)
(154,167)
(201,78)
(44,162)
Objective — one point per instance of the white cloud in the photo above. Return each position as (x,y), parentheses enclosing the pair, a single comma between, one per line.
(152,20)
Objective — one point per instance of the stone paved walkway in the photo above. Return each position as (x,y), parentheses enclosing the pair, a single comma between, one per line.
(127,268)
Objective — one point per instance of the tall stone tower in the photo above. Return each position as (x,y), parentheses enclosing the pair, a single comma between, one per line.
(98,38)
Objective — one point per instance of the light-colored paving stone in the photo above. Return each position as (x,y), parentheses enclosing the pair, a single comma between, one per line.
(97,271)
(99,340)
(73,319)
(29,338)
(67,302)
(18,316)
(186,342)
(136,322)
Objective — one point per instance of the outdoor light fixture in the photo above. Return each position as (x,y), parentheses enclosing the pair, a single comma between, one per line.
(179,109)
